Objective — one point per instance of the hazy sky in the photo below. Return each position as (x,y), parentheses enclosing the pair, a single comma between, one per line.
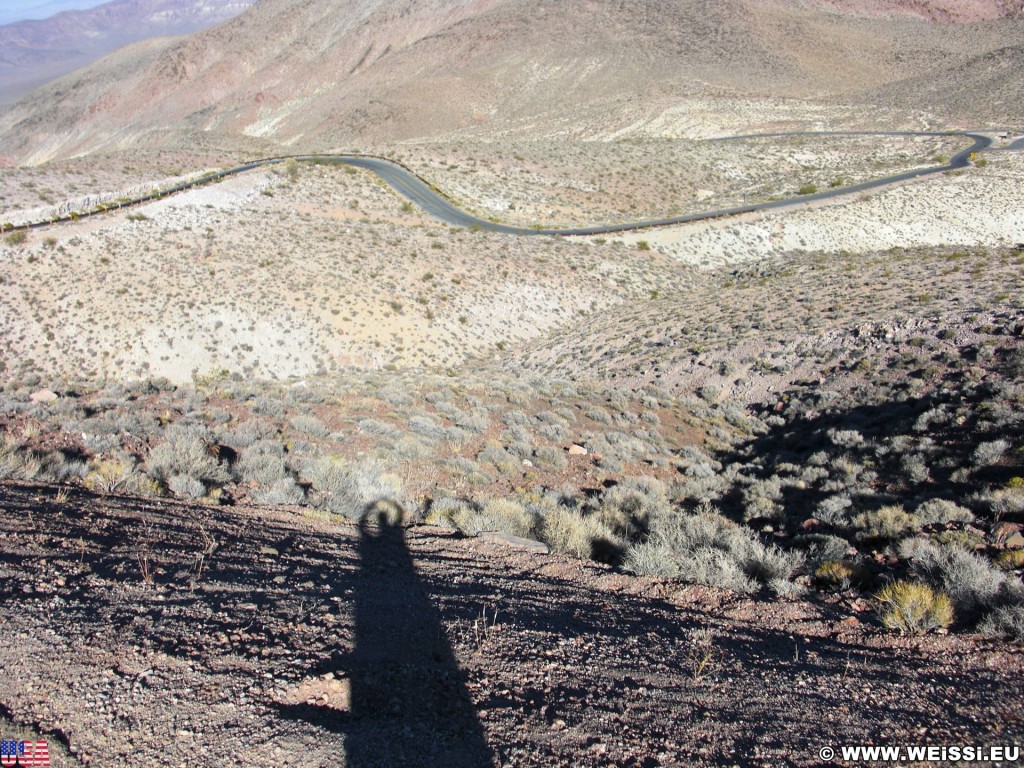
(15,10)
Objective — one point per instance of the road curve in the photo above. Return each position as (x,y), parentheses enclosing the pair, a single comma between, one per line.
(406,183)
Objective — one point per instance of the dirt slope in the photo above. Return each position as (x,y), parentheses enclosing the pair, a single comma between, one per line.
(315,75)
(33,52)
(165,634)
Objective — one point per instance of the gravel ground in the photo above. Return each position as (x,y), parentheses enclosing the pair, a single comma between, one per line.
(154,633)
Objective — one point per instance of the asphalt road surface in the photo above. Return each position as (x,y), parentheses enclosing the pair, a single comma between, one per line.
(433,202)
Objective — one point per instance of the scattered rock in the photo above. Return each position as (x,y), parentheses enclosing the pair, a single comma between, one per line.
(43,396)
(577,450)
(1004,533)
(518,542)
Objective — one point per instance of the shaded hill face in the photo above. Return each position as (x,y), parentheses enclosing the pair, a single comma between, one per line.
(33,52)
(313,75)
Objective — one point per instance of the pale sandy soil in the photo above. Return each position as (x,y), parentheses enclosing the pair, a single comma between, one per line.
(266,276)
(978,207)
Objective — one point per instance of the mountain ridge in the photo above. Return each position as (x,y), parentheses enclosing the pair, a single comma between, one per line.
(291,73)
(37,50)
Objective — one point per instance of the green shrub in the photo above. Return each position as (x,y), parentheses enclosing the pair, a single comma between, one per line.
(973,583)
(505,515)
(807,189)
(187,451)
(1004,622)
(16,238)
(914,608)
(282,491)
(570,532)
(889,523)
(626,509)
(706,548)
(350,489)
(1011,559)
(119,475)
(841,573)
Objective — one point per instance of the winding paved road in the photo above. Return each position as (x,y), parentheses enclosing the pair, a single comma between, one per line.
(409,185)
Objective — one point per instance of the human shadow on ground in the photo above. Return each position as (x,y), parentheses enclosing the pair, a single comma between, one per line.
(408,702)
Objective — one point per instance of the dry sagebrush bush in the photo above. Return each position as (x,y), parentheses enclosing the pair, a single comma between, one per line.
(914,608)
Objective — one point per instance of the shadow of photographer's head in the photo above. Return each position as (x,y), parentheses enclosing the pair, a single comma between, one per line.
(384,513)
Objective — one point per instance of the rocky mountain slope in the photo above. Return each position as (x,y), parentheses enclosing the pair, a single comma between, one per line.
(313,75)
(35,51)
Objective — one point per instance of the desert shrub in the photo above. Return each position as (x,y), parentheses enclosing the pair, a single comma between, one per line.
(1004,622)
(186,487)
(310,425)
(941,512)
(461,465)
(889,523)
(706,548)
(822,547)
(551,457)
(396,396)
(914,608)
(761,500)
(262,463)
(476,421)
(120,474)
(505,462)
(411,448)
(569,531)
(505,515)
(556,433)
(282,491)
(628,508)
(245,434)
(840,573)
(973,583)
(1010,560)
(427,427)
(17,462)
(598,414)
(445,510)
(187,450)
(834,510)
(97,444)
(380,429)
(989,452)
(1005,501)
(266,406)
(349,489)
(846,438)
(654,558)
(915,467)
(56,467)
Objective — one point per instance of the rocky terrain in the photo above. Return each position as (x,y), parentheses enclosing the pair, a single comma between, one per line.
(290,73)
(190,633)
(292,473)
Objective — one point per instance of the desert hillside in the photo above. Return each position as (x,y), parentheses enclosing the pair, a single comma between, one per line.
(349,74)
(334,460)
(35,51)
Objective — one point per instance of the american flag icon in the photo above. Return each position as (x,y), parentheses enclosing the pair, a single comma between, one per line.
(24,753)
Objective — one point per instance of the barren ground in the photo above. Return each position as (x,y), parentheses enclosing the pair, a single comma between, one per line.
(164,633)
